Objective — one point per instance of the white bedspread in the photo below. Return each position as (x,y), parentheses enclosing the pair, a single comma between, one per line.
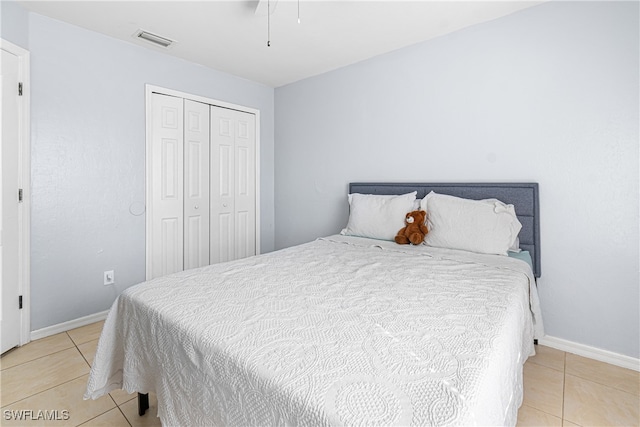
(333,332)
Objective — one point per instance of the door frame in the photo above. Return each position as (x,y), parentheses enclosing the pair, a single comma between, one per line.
(24,181)
(151,89)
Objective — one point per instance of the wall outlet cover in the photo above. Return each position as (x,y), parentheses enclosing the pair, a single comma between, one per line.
(109,278)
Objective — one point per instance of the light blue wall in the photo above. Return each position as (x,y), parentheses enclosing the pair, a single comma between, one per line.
(549,94)
(88,161)
(14,23)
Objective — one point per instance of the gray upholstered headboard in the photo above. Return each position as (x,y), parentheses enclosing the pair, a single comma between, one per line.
(524,196)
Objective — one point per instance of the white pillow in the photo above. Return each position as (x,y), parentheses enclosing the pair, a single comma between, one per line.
(484,226)
(377,217)
(515,245)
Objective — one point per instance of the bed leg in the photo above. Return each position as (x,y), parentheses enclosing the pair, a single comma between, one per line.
(535,341)
(143,403)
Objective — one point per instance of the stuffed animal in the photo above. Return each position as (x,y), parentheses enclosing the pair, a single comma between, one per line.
(415,230)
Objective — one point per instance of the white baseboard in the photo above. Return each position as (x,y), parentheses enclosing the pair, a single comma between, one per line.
(67,326)
(591,352)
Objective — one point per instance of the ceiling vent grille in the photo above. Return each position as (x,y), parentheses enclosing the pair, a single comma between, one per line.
(154,38)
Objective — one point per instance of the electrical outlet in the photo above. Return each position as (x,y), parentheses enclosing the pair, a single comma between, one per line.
(109,278)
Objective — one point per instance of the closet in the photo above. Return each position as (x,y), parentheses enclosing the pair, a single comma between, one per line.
(201,184)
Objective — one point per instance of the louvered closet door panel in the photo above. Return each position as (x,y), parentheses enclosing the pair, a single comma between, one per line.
(196,184)
(245,188)
(167,185)
(222,185)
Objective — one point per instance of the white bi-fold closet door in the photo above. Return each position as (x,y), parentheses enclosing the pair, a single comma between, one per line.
(202,185)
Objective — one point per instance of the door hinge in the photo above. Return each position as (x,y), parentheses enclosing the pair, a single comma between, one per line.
(19,195)
(20,89)
(20,302)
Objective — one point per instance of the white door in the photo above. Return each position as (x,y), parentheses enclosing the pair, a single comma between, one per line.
(179,184)
(196,184)
(167,185)
(201,182)
(233,184)
(245,185)
(9,178)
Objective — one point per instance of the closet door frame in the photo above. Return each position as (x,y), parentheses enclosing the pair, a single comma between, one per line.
(151,89)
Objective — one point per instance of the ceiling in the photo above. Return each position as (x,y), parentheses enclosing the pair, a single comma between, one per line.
(231,36)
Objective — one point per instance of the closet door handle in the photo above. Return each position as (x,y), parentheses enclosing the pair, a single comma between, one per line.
(196,207)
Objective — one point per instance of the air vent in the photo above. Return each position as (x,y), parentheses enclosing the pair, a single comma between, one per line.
(154,38)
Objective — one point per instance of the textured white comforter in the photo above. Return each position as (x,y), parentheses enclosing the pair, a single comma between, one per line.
(338,331)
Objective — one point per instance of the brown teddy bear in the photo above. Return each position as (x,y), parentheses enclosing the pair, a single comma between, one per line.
(415,230)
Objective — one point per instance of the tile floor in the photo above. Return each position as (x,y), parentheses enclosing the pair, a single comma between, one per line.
(561,389)
(51,374)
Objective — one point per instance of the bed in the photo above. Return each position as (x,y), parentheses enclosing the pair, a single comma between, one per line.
(344,330)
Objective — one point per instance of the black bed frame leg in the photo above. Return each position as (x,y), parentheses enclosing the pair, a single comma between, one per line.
(143,403)
(535,341)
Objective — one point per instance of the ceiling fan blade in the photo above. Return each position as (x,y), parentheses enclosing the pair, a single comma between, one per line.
(262,7)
